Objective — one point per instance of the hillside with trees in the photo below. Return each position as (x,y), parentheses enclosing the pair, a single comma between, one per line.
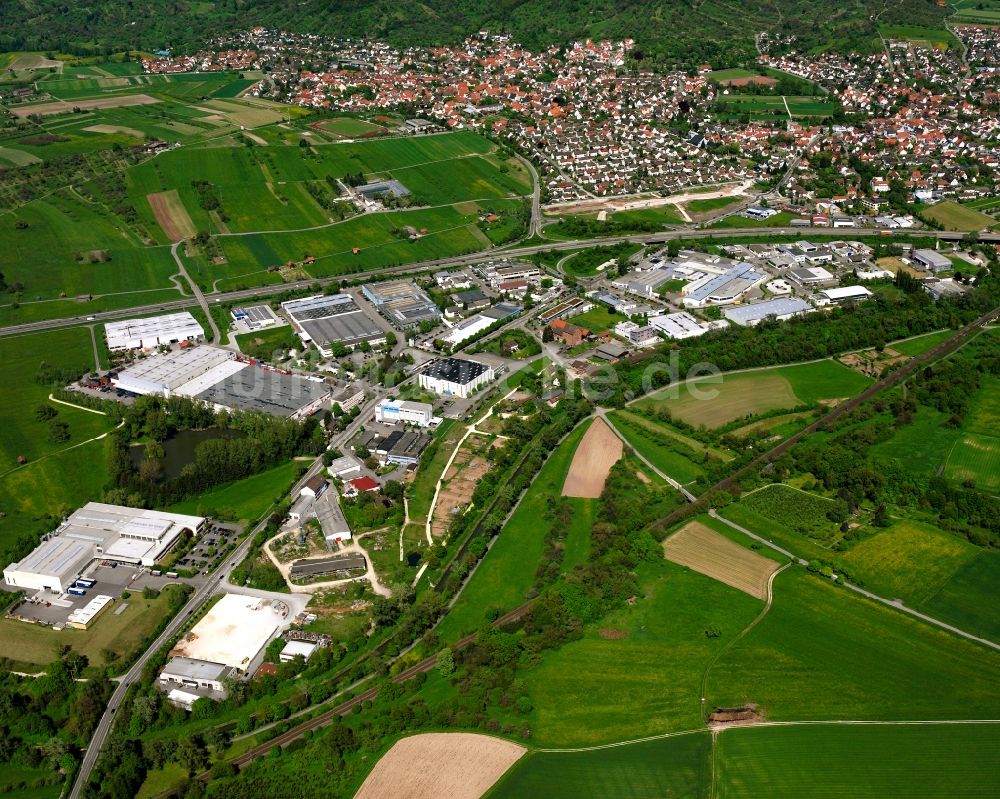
(667,32)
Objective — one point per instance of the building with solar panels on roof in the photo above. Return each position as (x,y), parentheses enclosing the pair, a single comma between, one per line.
(402,302)
(455,377)
(327,319)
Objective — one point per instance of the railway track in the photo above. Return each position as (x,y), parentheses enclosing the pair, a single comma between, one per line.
(894,378)
(325,718)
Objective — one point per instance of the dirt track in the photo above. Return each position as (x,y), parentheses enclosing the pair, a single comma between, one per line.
(598,451)
(440,765)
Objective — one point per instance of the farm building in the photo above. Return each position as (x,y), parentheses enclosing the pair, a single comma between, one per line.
(135,334)
(779,309)
(454,376)
(337,567)
(931,260)
(109,532)
(391,411)
(234,632)
(333,318)
(402,302)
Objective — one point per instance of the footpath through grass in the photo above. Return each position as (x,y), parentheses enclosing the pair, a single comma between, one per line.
(506,573)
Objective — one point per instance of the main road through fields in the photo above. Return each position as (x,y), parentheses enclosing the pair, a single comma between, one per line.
(464,260)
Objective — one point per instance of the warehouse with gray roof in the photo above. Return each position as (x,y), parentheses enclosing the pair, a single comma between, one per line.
(332,318)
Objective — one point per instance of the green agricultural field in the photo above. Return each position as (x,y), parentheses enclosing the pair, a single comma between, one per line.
(244,500)
(909,560)
(938,38)
(51,481)
(922,445)
(508,570)
(920,344)
(861,762)
(984,204)
(637,672)
(800,511)
(714,204)
(666,454)
(670,767)
(715,401)
(952,216)
(781,219)
(730,74)
(660,215)
(823,652)
(968,599)
(977,12)
(975,458)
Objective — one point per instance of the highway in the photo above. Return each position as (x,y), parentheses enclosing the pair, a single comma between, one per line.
(662,237)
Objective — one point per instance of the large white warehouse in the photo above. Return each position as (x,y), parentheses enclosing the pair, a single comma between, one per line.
(134,334)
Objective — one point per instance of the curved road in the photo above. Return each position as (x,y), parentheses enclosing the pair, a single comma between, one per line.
(196,290)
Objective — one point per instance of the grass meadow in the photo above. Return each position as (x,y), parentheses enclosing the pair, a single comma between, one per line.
(741,395)
(801,511)
(920,344)
(638,671)
(244,500)
(861,762)
(667,454)
(508,570)
(670,767)
(823,652)
(969,599)
(953,216)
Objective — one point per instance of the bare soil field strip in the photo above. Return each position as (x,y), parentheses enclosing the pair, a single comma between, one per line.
(700,548)
(136,134)
(60,107)
(171,215)
(598,451)
(455,765)
(458,484)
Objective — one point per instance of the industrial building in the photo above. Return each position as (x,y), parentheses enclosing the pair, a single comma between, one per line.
(843,294)
(109,532)
(392,411)
(331,517)
(82,618)
(224,379)
(474,325)
(724,289)
(327,319)
(931,260)
(203,675)
(255,388)
(234,632)
(254,317)
(294,649)
(778,309)
(402,447)
(348,396)
(402,302)
(678,325)
(565,309)
(337,567)
(135,334)
(454,376)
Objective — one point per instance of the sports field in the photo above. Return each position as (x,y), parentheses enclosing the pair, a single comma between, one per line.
(348,127)
(707,552)
(716,401)
(953,216)
(670,767)
(860,762)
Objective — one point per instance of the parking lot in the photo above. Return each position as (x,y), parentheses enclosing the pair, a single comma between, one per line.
(51,609)
(208,547)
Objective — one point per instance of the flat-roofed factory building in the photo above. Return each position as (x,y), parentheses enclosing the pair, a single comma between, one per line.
(154,331)
(327,319)
(402,302)
(455,376)
(109,532)
(220,377)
